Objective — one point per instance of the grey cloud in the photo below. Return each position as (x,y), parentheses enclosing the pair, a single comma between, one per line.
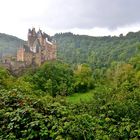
(63,14)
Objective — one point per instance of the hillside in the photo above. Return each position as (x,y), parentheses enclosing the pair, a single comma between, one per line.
(76,49)
(97,51)
(9,44)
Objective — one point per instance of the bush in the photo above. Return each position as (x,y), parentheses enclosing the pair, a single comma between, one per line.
(27,117)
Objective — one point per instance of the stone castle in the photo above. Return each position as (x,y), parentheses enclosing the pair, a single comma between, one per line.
(38,49)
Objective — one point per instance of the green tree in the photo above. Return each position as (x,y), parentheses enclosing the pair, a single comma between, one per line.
(6,80)
(55,78)
(83,78)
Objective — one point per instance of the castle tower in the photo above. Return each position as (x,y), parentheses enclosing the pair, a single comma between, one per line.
(40,37)
(32,36)
(29,37)
(33,32)
(20,54)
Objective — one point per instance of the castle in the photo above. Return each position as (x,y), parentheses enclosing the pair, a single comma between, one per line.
(38,49)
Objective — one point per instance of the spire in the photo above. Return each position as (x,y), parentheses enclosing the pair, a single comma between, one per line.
(33,32)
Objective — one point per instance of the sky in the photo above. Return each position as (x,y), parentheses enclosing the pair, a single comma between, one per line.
(88,17)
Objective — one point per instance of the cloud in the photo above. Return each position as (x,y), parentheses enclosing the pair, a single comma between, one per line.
(93,17)
(93,13)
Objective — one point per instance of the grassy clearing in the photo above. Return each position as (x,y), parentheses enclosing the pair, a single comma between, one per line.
(78,97)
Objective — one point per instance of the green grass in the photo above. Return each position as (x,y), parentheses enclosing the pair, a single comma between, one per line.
(78,97)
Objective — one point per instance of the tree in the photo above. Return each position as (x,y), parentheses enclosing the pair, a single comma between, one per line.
(83,78)
(6,80)
(55,78)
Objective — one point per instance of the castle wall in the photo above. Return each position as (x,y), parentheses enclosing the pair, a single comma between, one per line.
(51,52)
(38,59)
(28,58)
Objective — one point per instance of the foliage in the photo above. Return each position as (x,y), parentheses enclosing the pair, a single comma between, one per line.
(108,115)
(55,78)
(26,117)
(114,115)
(6,80)
(83,78)
(97,51)
(109,65)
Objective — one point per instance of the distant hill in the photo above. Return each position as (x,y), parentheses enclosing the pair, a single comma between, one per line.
(9,44)
(77,49)
(97,51)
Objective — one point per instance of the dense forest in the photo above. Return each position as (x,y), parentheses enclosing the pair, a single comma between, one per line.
(103,71)
(97,51)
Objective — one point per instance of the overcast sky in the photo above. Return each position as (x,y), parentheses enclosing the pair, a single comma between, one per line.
(91,17)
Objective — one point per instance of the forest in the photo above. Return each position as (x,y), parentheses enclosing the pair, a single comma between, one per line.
(92,92)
